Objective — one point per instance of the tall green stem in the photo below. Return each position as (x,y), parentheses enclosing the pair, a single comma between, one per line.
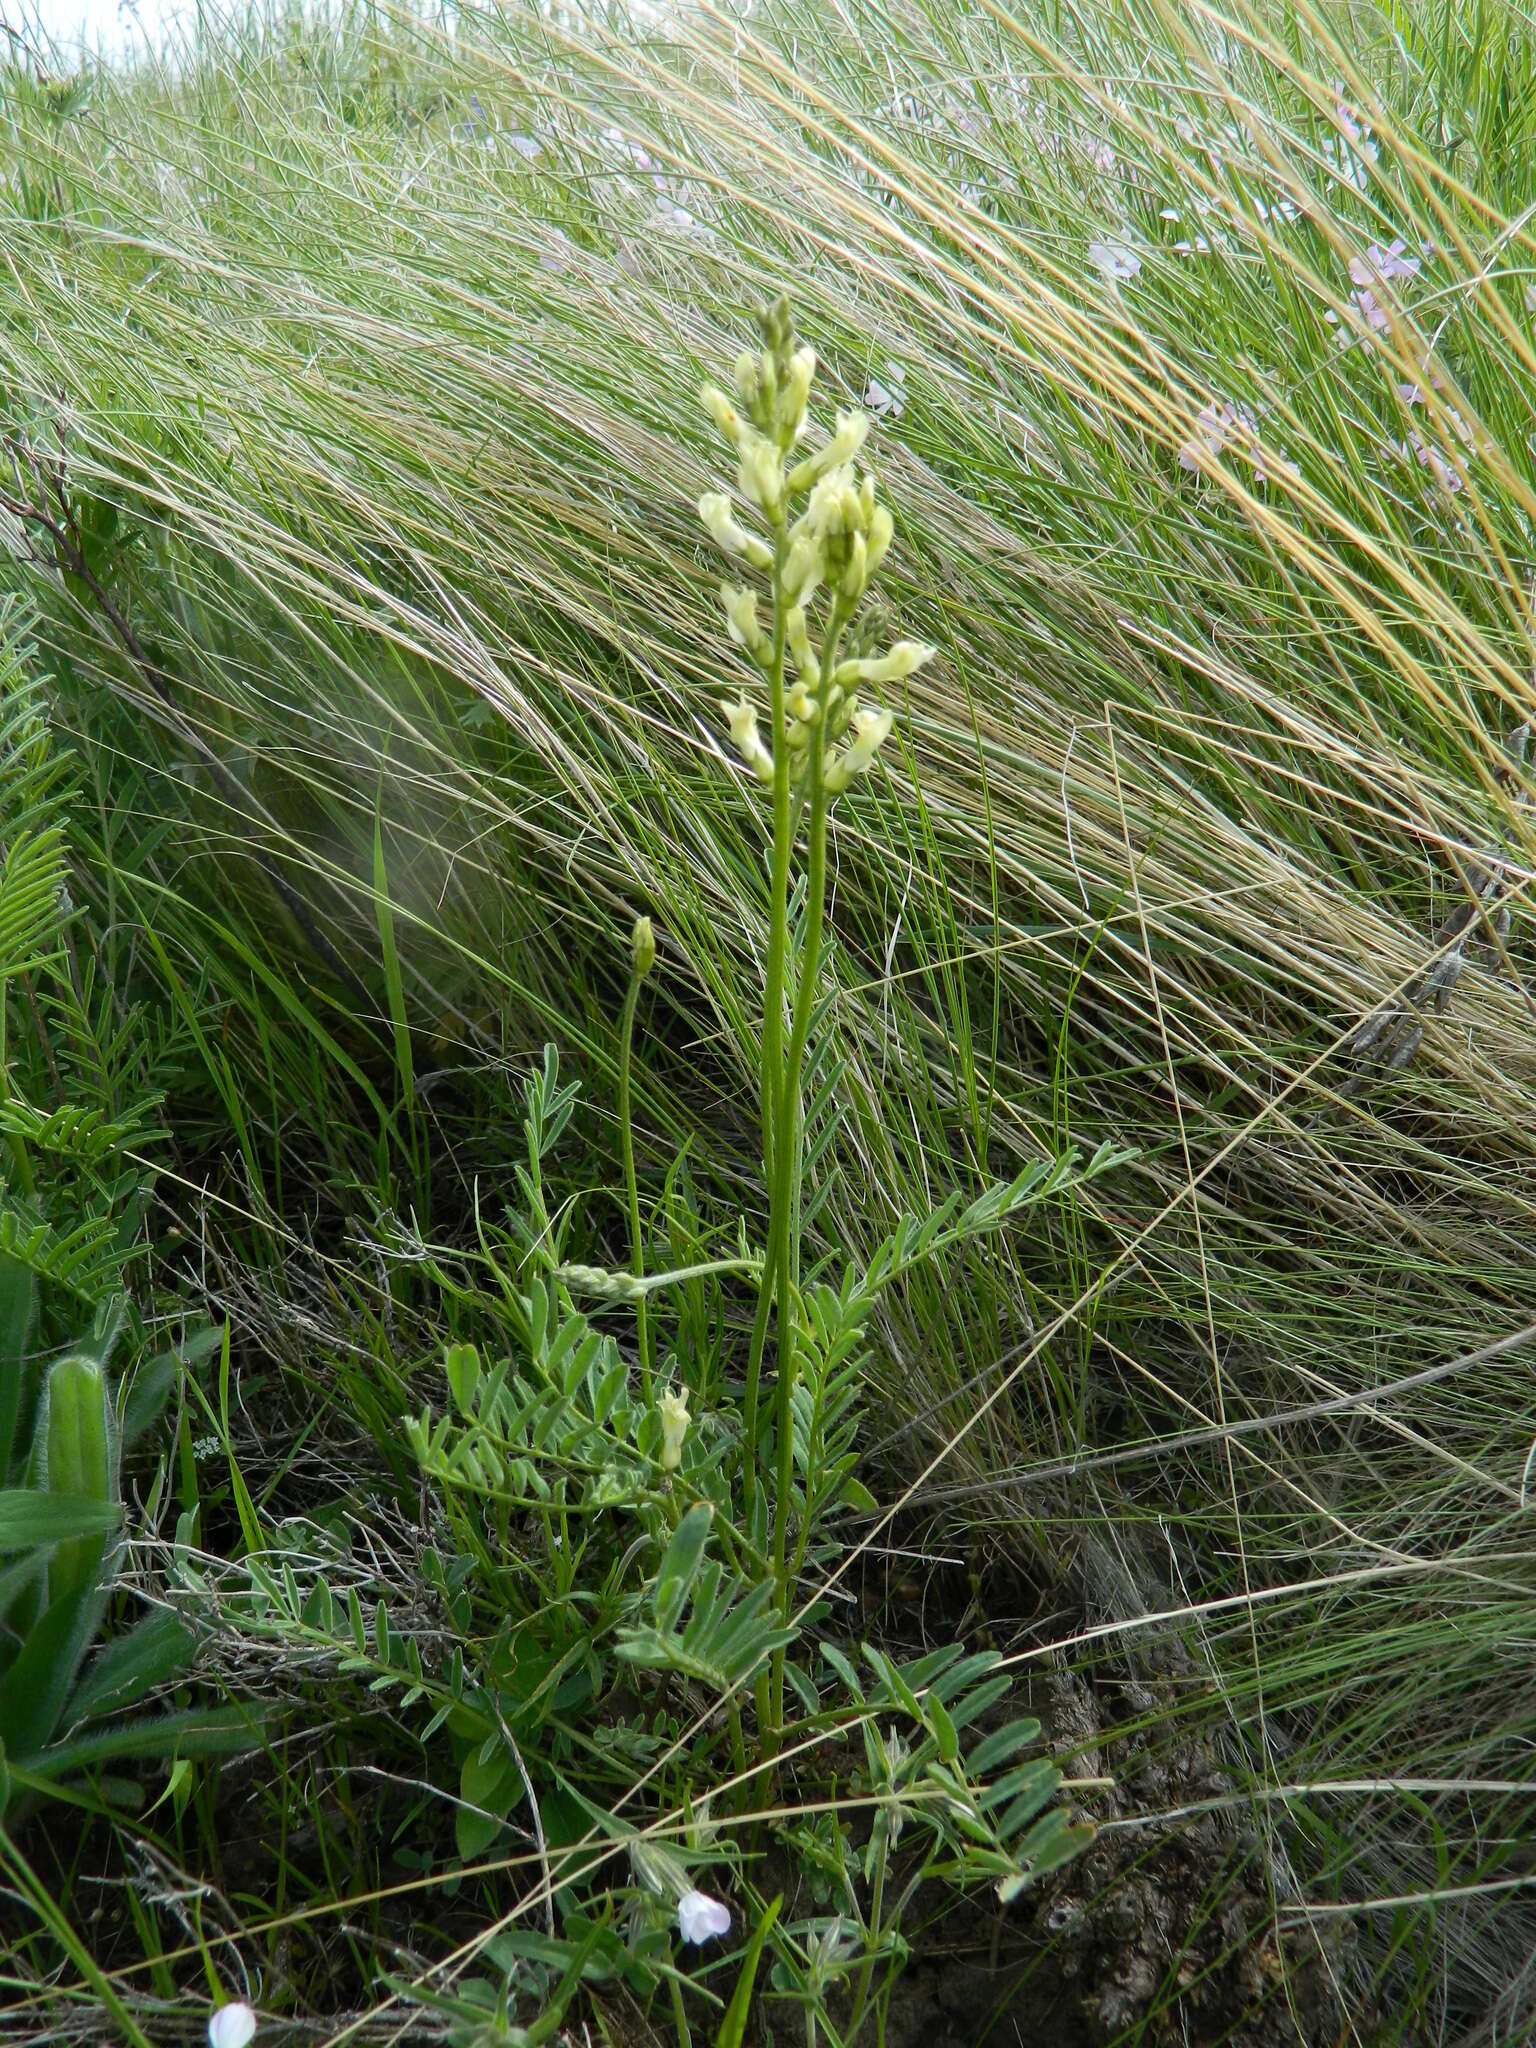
(773,1011)
(787,1153)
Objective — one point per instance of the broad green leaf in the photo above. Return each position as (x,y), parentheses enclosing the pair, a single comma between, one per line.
(34,1689)
(31,1518)
(200,1731)
(488,1787)
(680,1566)
(997,1748)
(124,1670)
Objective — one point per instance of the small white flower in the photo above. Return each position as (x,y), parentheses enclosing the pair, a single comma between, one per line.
(232,2026)
(1098,153)
(1215,426)
(1435,460)
(557,252)
(1393,261)
(671,215)
(1210,429)
(887,400)
(1114,261)
(699,1917)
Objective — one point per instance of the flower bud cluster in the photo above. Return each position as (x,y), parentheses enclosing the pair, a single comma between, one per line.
(836,545)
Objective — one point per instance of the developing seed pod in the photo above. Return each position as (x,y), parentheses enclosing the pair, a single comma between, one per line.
(77,1440)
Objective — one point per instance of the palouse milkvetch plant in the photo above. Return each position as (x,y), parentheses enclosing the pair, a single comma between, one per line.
(819,564)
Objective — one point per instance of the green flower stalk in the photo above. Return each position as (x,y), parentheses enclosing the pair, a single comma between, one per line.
(820,561)
(642,957)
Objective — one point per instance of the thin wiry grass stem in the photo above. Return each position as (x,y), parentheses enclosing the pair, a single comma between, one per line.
(631,1187)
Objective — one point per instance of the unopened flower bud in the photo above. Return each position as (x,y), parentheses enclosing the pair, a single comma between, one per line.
(799,639)
(672,1408)
(789,410)
(642,947)
(761,472)
(881,527)
(856,573)
(723,413)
